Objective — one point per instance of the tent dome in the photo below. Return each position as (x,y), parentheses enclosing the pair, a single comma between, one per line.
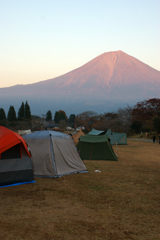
(54,154)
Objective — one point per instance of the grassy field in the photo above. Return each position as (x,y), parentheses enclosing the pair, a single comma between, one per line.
(121,202)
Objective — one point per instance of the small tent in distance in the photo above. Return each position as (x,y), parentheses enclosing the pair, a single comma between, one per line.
(115,138)
(92,147)
(119,138)
(54,154)
(23,132)
(15,159)
(76,135)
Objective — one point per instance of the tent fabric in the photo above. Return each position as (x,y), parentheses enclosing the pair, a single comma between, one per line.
(23,132)
(16,184)
(96,132)
(66,154)
(54,154)
(76,136)
(93,147)
(15,171)
(119,138)
(94,139)
(9,139)
(15,160)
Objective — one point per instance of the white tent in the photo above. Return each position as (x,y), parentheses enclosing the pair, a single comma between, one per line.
(54,154)
(23,132)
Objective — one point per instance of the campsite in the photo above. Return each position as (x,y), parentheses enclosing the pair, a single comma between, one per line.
(121,201)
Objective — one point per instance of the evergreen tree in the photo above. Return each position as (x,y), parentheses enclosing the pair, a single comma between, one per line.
(48,116)
(27,111)
(56,117)
(156,123)
(60,115)
(21,112)
(11,114)
(2,114)
(72,118)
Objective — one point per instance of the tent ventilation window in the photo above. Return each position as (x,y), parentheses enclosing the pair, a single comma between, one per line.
(12,153)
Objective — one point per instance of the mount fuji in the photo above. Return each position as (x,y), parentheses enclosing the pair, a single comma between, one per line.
(109,81)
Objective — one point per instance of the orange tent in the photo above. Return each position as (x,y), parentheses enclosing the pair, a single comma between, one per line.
(15,159)
(9,139)
(77,136)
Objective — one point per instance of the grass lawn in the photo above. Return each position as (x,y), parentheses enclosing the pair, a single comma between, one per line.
(121,202)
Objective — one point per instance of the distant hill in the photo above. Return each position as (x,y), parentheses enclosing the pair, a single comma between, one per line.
(107,82)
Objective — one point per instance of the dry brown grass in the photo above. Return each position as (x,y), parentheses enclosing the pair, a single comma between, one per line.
(121,202)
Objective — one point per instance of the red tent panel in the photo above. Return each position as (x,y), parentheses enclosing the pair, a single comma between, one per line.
(9,139)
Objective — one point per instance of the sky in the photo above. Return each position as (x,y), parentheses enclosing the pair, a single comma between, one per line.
(43,39)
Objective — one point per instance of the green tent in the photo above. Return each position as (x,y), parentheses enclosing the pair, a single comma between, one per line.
(119,138)
(98,147)
(96,132)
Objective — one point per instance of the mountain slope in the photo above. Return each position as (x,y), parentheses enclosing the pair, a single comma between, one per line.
(110,76)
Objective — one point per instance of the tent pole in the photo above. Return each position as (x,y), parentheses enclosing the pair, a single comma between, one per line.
(116,149)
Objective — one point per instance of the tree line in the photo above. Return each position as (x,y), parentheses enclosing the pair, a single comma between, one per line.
(143,117)
(146,116)
(24,113)
(60,116)
(10,120)
(24,119)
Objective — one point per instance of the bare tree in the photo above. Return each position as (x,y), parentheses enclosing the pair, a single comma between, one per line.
(124,118)
(86,119)
(62,125)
